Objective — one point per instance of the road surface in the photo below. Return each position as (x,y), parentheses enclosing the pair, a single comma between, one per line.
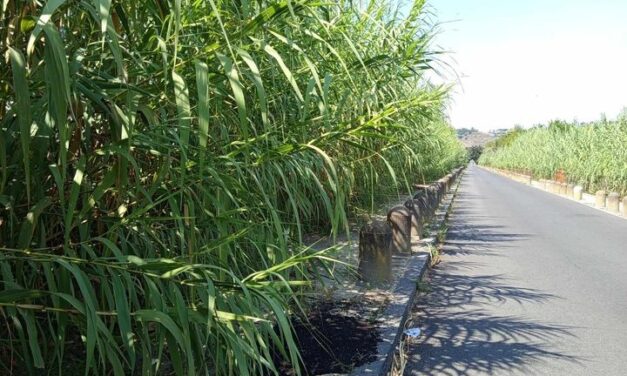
(530,283)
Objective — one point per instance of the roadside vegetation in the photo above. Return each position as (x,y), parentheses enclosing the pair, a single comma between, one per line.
(162,160)
(474,153)
(593,155)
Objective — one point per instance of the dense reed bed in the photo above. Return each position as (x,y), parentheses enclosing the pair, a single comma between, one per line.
(162,160)
(593,155)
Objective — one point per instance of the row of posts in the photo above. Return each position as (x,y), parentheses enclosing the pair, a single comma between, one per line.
(380,239)
(603,200)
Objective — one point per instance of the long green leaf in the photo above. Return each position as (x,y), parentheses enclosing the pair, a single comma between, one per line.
(23,109)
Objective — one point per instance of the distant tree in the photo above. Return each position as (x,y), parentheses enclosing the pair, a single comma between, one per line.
(558,125)
(474,152)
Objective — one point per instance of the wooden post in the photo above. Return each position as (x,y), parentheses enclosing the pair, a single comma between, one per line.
(416,218)
(375,255)
(613,202)
(578,193)
(600,199)
(399,218)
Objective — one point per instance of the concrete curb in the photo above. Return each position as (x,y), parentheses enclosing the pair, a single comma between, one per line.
(396,314)
(588,199)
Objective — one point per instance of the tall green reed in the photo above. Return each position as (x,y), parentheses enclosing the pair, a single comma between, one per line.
(161,161)
(592,155)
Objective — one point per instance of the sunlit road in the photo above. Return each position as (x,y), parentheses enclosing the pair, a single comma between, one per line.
(530,283)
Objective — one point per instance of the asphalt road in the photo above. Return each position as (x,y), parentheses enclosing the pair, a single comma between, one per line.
(530,283)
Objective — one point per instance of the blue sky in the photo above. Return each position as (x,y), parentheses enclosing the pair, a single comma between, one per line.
(524,62)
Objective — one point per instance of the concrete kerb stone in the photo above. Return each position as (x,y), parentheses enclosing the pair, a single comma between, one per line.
(395,315)
(613,202)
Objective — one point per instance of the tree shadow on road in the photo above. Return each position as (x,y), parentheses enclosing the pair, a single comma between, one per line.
(461,332)
(475,233)
(484,240)
(461,337)
(489,357)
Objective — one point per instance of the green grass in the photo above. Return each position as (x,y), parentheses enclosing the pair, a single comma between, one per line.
(162,160)
(593,155)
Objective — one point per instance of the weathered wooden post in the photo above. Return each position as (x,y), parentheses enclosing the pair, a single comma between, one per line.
(563,189)
(416,218)
(430,196)
(422,196)
(570,190)
(422,201)
(578,192)
(375,255)
(434,197)
(399,218)
(625,206)
(437,190)
(613,202)
(600,199)
(444,183)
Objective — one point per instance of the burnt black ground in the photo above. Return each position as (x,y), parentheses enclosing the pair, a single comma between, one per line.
(334,340)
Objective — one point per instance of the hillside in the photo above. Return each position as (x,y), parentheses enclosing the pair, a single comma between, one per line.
(473,137)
